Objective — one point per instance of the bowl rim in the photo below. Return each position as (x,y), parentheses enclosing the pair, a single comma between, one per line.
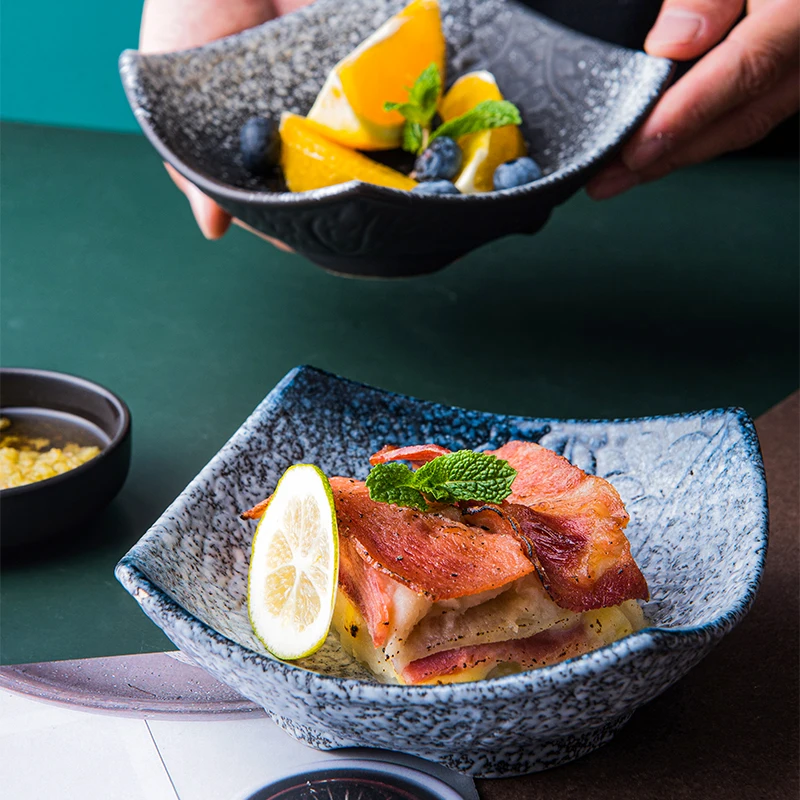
(130,62)
(121,433)
(412,774)
(144,590)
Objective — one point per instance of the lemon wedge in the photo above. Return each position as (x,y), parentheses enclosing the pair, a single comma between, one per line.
(486,150)
(311,161)
(294,565)
(350,105)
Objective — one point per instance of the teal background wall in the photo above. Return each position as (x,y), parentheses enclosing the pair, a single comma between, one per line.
(58,61)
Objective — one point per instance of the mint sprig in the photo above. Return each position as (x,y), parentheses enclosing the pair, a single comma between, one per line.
(485,116)
(463,475)
(420,108)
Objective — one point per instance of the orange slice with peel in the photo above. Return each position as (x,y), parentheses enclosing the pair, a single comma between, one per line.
(311,161)
(380,69)
(486,150)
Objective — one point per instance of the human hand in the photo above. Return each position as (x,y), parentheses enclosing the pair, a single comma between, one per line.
(746,84)
(169,25)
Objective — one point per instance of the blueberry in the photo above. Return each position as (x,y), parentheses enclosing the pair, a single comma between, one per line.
(435,187)
(441,161)
(260,145)
(516,173)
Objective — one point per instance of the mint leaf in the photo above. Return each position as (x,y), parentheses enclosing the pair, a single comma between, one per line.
(412,137)
(485,116)
(410,111)
(463,475)
(425,92)
(394,483)
(466,475)
(423,97)
(419,109)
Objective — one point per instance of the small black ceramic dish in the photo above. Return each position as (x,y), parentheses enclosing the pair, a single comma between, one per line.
(62,408)
(351,778)
(580,99)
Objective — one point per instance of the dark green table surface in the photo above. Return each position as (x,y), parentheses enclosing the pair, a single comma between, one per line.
(678,296)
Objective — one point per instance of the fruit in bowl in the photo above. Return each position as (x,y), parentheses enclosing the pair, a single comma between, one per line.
(349,115)
(578,100)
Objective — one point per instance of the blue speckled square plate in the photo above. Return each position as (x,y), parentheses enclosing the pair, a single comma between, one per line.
(693,485)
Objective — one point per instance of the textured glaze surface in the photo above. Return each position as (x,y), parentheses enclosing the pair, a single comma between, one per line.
(579,99)
(693,485)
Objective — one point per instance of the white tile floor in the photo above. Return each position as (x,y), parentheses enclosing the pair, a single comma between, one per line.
(49,751)
(52,751)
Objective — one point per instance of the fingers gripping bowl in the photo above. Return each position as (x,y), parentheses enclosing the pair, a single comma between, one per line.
(579,99)
(693,485)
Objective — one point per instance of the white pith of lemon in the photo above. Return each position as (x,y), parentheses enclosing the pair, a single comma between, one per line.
(349,107)
(294,565)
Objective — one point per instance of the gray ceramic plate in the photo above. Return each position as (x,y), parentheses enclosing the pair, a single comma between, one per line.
(580,98)
(693,485)
(144,685)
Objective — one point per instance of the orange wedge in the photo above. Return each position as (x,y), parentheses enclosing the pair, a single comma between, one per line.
(310,161)
(486,150)
(380,69)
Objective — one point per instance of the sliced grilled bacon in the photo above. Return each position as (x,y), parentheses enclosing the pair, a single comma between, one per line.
(437,554)
(415,453)
(547,647)
(570,525)
(368,589)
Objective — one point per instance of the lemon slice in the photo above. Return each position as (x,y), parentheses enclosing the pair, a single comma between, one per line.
(294,565)
(350,103)
(486,150)
(311,161)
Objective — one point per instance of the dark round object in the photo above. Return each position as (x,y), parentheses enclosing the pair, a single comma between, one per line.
(440,161)
(518,172)
(260,145)
(435,187)
(64,408)
(356,778)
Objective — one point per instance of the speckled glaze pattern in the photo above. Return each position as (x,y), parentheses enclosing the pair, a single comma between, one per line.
(579,98)
(693,485)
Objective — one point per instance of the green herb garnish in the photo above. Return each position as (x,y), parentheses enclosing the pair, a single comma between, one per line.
(420,109)
(463,475)
(486,115)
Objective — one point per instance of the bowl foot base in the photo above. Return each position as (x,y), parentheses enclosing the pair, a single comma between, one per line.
(505,758)
(385,267)
(536,755)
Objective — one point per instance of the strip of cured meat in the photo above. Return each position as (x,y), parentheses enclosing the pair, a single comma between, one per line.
(415,453)
(547,647)
(435,553)
(575,523)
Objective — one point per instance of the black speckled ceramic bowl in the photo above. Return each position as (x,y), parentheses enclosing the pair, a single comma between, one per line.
(580,98)
(65,409)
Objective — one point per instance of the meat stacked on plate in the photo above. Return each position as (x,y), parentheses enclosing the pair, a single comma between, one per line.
(466,591)
(460,593)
